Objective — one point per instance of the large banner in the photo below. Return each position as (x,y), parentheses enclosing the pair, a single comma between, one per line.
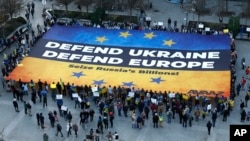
(152,60)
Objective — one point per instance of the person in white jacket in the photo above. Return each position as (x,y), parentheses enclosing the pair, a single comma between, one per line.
(69,127)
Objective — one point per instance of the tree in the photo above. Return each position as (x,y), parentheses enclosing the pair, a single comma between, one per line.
(65,3)
(199,7)
(246,10)
(85,3)
(11,7)
(130,4)
(234,25)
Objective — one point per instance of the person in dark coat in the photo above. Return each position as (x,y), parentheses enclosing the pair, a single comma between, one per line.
(59,129)
(243,115)
(15,104)
(155,120)
(38,119)
(33,96)
(146,110)
(41,120)
(52,119)
(209,125)
(214,117)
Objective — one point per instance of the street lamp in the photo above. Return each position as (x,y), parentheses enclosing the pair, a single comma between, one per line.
(186,19)
(53,14)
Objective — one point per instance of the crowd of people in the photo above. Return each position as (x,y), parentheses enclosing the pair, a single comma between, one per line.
(115,101)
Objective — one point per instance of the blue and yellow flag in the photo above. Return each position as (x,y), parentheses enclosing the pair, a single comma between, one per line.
(153,60)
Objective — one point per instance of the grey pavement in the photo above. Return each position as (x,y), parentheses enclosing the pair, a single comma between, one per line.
(20,127)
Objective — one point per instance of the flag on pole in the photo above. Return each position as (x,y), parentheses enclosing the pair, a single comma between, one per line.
(61,83)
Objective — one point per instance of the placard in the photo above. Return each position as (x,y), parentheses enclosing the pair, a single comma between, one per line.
(96,94)
(248,29)
(59,96)
(153,100)
(225,30)
(94,89)
(207,28)
(64,108)
(75,95)
(79,99)
(171,95)
(148,18)
(201,25)
(131,94)
(160,23)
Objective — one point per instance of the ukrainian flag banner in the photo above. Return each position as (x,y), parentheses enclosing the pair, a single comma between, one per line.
(152,60)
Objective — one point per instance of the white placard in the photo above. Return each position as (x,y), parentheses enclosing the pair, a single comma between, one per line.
(96,94)
(79,99)
(94,89)
(64,108)
(148,18)
(153,100)
(200,25)
(160,23)
(207,28)
(131,94)
(171,95)
(75,95)
(59,96)
(248,29)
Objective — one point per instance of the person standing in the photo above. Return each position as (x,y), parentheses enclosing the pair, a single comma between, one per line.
(190,119)
(214,117)
(243,115)
(59,129)
(209,125)
(155,120)
(45,137)
(38,119)
(185,118)
(68,128)
(29,108)
(91,114)
(41,120)
(105,121)
(15,104)
(45,101)
(111,118)
(52,119)
(33,96)
(75,128)
(100,124)
(25,107)
(246,99)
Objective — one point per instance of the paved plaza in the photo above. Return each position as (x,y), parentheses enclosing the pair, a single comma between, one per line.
(20,127)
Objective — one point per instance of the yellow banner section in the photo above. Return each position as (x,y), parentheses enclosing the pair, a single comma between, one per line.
(207,83)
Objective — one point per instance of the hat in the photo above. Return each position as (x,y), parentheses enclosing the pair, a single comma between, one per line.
(14,99)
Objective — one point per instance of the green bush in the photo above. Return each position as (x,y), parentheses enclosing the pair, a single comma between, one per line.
(94,17)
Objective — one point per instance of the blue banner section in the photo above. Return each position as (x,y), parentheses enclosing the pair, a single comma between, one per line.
(137,39)
(206,60)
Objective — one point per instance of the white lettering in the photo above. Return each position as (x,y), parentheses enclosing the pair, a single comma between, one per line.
(213,55)
(65,46)
(134,62)
(64,56)
(49,54)
(208,65)
(52,45)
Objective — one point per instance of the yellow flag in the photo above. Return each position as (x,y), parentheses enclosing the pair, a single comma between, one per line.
(61,83)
